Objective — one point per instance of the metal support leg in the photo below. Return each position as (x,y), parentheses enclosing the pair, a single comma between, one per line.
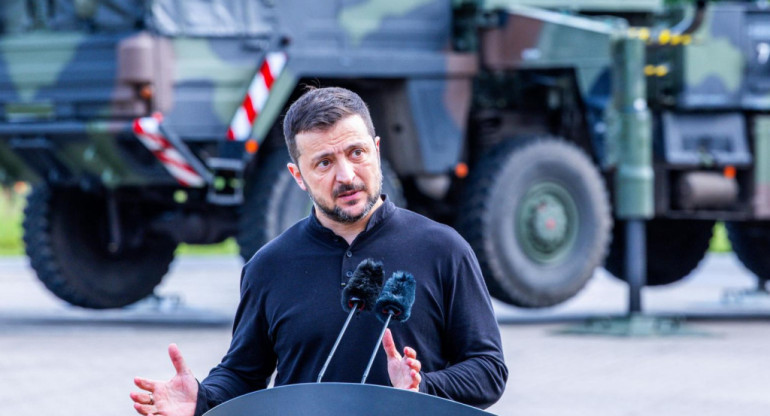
(635,264)
(634,324)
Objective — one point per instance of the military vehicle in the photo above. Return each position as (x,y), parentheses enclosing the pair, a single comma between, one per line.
(531,126)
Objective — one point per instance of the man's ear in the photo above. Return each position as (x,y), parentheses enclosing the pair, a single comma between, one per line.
(377,144)
(294,170)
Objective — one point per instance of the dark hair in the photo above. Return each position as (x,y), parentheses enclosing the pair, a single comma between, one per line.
(319,109)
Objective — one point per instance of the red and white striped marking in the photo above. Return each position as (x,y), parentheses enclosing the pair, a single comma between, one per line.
(254,102)
(148,131)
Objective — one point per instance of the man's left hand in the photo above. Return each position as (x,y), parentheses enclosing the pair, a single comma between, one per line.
(404,371)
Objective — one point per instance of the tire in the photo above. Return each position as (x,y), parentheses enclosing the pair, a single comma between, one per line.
(750,242)
(273,202)
(538,217)
(65,237)
(674,249)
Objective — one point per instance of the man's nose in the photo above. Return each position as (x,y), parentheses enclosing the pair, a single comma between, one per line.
(345,172)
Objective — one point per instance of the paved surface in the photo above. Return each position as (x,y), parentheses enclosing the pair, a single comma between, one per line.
(59,360)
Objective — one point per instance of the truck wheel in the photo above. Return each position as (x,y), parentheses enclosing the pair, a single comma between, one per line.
(273,202)
(750,242)
(65,236)
(674,249)
(538,217)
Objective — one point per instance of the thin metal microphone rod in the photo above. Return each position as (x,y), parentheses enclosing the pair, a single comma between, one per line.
(376,346)
(337,342)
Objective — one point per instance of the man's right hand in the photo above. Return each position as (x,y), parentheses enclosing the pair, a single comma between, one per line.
(176,397)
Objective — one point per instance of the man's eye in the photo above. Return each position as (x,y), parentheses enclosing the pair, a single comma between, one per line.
(323,163)
(358,153)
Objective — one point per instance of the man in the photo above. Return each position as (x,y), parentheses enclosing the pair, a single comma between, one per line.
(289,315)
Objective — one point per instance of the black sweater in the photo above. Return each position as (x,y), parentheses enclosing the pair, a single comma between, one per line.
(290,313)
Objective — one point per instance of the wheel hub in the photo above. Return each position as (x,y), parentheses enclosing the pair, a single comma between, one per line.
(547,222)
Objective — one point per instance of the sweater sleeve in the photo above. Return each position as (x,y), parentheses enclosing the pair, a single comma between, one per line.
(250,361)
(476,374)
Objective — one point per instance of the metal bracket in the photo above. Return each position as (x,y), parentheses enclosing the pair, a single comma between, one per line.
(227,182)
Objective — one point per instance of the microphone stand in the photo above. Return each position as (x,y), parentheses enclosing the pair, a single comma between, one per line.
(376,346)
(353,310)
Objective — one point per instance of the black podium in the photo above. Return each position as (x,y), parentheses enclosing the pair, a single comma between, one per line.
(338,399)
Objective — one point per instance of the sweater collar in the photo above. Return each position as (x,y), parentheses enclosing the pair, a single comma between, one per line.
(379,216)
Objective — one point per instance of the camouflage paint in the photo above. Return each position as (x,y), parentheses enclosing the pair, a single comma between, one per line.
(440,138)
(462,67)
(101,157)
(86,8)
(12,168)
(700,63)
(36,60)
(82,159)
(14,15)
(534,38)
(587,48)
(367,17)
(55,78)
(761,198)
(582,5)
(197,61)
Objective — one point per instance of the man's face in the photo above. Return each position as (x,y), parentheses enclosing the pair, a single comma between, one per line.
(340,169)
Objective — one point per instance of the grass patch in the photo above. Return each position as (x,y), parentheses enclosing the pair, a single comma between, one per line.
(12,201)
(719,241)
(228,246)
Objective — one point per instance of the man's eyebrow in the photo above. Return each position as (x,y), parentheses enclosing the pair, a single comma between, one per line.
(358,144)
(324,155)
(321,156)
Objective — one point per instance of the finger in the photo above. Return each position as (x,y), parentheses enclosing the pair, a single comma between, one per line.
(144,409)
(389,345)
(145,384)
(414,364)
(416,380)
(410,352)
(176,358)
(141,398)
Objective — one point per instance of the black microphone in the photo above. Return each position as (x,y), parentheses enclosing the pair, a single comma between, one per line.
(359,294)
(364,286)
(395,302)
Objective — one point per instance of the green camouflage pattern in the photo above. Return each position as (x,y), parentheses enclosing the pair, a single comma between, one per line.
(539,39)
(607,6)
(708,81)
(199,61)
(364,18)
(761,200)
(77,88)
(198,82)
(447,81)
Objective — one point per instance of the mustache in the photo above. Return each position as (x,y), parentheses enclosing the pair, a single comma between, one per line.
(348,188)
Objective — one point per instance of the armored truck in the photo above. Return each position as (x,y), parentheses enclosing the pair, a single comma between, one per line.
(536,128)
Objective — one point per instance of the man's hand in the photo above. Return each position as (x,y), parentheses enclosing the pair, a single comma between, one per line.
(176,397)
(404,371)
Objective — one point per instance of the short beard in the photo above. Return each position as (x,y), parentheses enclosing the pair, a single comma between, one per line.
(336,214)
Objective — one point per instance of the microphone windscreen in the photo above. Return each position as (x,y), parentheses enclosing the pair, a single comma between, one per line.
(397,297)
(364,286)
